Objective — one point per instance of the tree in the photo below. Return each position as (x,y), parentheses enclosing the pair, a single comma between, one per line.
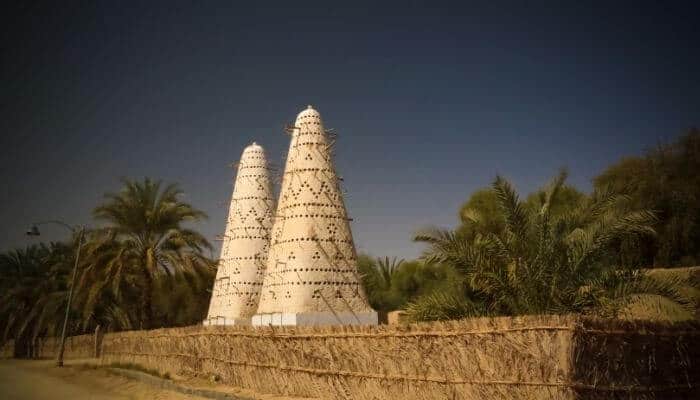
(378,276)
(568,199)
(664,180)
(21,272)
(391,284)
(182,299)
(144,240)
(480,214)
(34,286)
(142,269)
(545,260)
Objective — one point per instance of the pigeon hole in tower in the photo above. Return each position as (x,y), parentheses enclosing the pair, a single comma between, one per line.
(311,276)
(245,244)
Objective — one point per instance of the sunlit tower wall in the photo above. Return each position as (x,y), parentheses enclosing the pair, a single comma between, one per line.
(311,276)
(245,244)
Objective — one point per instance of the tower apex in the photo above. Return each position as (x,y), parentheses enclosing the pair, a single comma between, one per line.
(253,146)
(308,112)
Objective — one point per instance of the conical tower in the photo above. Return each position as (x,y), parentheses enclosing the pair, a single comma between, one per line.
(311,276)
(245,243)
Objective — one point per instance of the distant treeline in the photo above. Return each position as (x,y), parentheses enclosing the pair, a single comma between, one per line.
(561,250)
(557,251)
(142,268)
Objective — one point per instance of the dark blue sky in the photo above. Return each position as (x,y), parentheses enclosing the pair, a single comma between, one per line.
(430,100)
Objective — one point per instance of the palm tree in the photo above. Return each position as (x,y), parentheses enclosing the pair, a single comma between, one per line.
(21,273)
(112,303)
(378,278)
(144,239)
(34,289)
(50,291)
(183,298)
(544,262)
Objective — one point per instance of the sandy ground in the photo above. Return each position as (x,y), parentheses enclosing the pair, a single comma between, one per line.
(84,380)
(38,380)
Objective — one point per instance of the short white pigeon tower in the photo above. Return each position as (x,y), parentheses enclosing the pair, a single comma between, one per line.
(311,276)
(246,243)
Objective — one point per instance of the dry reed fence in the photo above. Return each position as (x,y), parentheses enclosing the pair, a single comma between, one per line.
(7,350)
(82,346)
(534,357)
(640,360)
(537,357)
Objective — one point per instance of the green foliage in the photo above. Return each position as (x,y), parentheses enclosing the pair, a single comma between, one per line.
(568,199)
(685,280)
(391,284)
(34,287)
(182,299)
(667,181)
(143,242)
(142,269)
(377,277)
(440,306)
(558,251)
(481,211)
(553,255)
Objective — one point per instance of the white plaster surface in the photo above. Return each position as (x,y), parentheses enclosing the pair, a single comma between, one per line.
(315,318)
(227,322)
(245,243)
(312,264)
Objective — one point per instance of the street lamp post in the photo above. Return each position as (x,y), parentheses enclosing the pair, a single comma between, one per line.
(80,230)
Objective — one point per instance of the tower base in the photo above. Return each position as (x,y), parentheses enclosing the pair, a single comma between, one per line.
(221,321)
(315,318)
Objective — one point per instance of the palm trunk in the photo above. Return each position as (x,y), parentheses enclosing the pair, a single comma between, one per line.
(147,301)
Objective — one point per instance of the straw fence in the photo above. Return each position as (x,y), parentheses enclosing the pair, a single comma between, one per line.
(534,357)
(640,360)
(7,350)
(82,346)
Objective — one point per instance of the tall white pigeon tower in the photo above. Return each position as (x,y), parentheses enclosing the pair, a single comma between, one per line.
(246,243)
(311,276)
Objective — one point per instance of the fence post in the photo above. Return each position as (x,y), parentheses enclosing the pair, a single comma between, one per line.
(98,341)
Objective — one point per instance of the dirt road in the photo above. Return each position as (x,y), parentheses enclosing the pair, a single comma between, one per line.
(39,380)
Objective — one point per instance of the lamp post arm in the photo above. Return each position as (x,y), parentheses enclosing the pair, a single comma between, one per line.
(61,223)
